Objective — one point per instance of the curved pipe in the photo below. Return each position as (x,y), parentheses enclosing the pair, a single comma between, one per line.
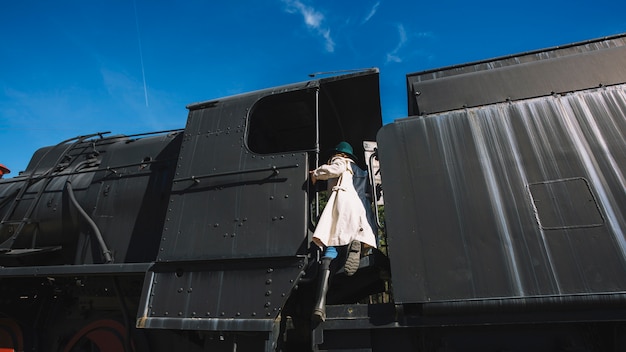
(105,251)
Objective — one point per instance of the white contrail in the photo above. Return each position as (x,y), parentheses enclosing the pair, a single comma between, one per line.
(143,72)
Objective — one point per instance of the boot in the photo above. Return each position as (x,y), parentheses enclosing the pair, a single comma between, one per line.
(319,310)
(354,258)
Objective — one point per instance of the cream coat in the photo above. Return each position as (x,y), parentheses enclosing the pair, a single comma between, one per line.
(344,218)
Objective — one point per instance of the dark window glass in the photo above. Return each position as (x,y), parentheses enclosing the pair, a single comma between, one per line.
(282,123)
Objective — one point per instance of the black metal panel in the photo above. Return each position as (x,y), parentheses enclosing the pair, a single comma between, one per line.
(228,202)
(130,199)
(233,295)
(121,183)
(510,200)
(558,70)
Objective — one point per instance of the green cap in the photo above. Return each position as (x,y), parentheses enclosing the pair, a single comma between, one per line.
(346,148)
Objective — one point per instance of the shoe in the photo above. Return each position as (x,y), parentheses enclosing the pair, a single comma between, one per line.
(354,257)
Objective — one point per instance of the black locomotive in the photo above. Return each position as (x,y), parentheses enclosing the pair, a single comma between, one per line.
(503,226)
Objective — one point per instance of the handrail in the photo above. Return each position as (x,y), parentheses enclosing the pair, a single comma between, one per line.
(372,177)
(275,169)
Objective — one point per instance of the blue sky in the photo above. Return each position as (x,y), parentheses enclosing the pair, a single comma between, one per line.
(70,67)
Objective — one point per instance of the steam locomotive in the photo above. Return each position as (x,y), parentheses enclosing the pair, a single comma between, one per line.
(502,219)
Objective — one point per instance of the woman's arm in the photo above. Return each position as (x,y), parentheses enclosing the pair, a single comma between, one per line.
(334,169)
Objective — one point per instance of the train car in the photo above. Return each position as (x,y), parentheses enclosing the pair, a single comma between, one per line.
(501,227)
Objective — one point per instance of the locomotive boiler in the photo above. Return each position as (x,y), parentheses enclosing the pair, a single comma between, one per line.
(502,224)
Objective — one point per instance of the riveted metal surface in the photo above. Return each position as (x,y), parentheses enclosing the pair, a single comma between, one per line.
(227,295)
(228,202)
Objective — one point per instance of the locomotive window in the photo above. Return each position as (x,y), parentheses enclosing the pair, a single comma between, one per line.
(283,122)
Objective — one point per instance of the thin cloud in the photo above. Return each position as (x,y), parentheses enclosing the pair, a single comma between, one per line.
(371,13)
(393,56)
(313,19)
(405,49)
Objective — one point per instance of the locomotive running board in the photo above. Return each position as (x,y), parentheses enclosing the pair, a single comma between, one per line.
(28,251)
(25,256)
(75,270)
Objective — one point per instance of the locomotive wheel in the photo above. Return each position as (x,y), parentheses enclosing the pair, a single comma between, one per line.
(99,335)
(11,338)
